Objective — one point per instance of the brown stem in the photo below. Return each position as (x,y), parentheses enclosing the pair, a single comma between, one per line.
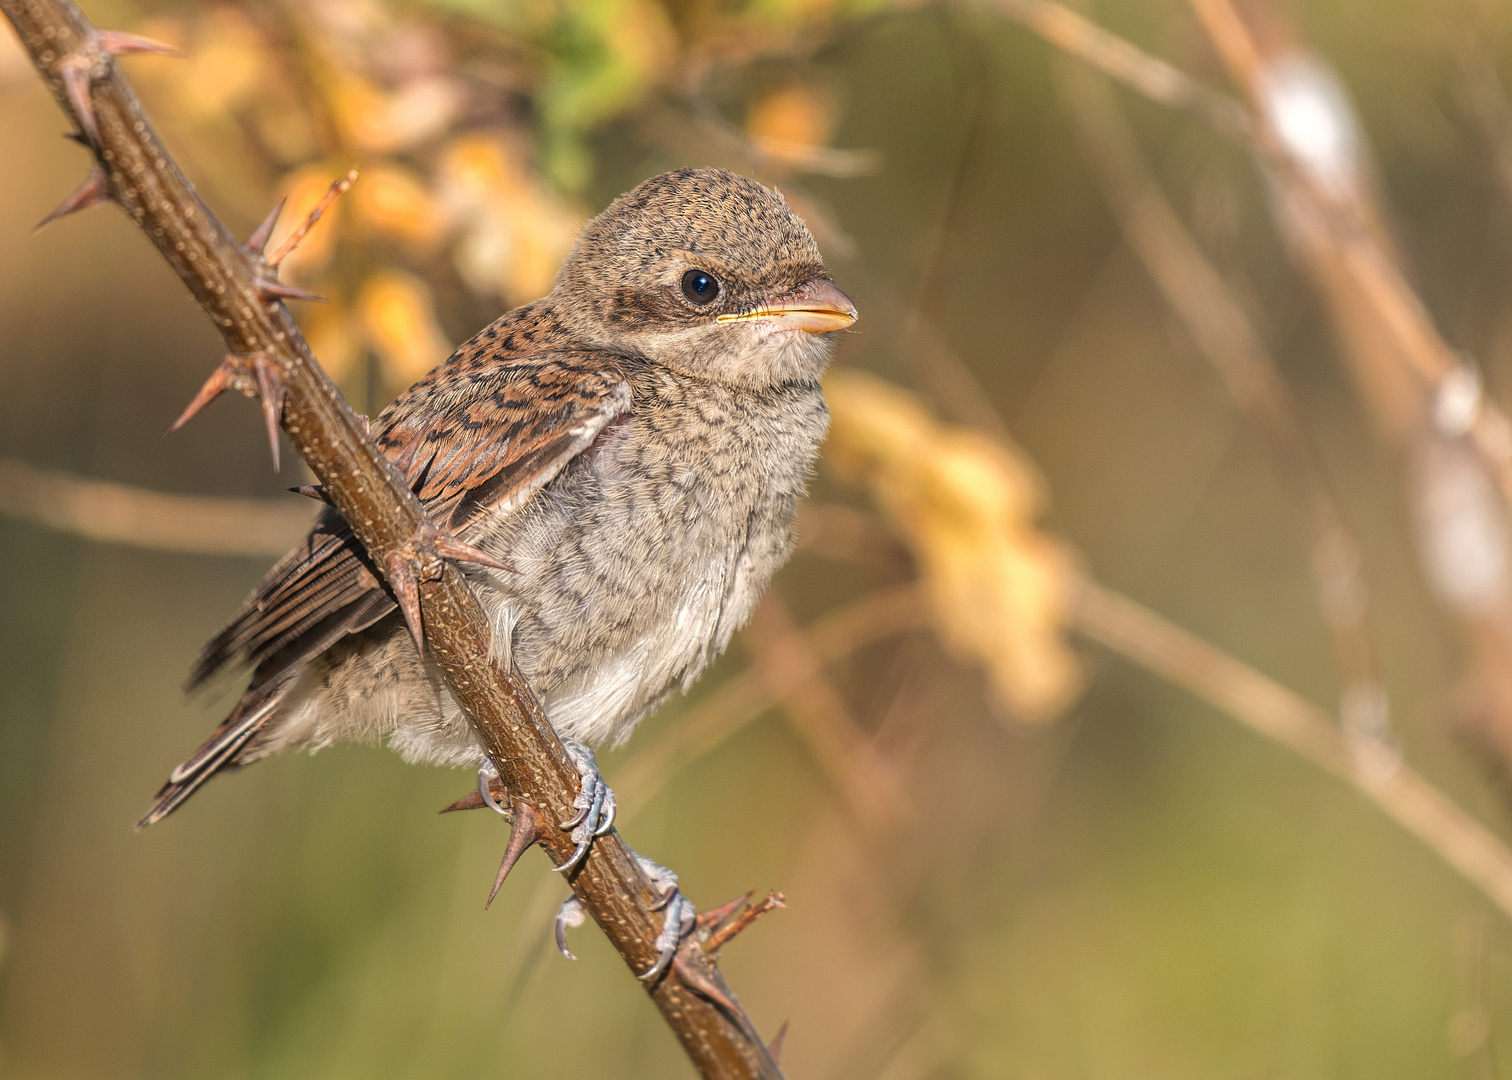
(227,281)
(721,936)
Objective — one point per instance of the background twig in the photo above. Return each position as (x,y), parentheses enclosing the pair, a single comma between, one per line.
(1280,714)
(120,514)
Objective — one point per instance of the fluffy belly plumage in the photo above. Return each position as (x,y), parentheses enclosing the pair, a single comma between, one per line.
(603,627)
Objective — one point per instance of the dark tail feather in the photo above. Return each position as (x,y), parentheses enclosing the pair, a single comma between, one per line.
(245,721)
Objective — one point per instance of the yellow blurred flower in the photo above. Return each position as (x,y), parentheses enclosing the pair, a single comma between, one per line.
(788,123)
(515,233)
(395,201)
(224,67)
(381,122)
(333,339)
(399,321)
(966,505)
(480,168)
(643,38)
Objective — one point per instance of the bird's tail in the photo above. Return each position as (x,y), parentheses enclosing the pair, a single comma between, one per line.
(217,752)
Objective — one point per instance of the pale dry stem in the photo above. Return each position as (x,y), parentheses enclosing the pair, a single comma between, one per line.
(121,514)
(1405,370)
(1280,714)
(1342,230)
(868,784)
(1113,56)
(1229,340)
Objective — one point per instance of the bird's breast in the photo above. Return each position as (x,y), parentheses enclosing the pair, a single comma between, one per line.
(649,552)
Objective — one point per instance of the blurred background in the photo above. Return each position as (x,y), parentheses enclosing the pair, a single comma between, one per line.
(1232,355)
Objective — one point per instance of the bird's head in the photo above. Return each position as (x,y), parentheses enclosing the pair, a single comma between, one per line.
(708,273)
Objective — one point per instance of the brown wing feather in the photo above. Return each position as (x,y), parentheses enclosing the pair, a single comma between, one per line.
(489,436)
(478,435)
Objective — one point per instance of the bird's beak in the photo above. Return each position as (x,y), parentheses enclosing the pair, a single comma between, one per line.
(815,306)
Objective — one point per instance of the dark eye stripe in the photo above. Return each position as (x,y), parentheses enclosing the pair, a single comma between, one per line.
(700,286)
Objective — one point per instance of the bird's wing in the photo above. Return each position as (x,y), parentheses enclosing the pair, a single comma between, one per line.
(472,439)
(475,436)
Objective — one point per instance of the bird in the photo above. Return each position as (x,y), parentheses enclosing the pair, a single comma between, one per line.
(627,454)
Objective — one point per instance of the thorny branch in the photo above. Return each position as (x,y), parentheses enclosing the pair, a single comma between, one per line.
(268,356)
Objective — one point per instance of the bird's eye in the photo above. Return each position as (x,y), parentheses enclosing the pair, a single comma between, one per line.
(700,286)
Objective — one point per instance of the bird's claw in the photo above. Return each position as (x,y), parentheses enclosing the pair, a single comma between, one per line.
(595,817)
(488,775)
(594,802)
(678,922)
(571,913)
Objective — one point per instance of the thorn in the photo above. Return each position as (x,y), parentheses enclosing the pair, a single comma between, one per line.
(292,241)
(94,190)
(697,980)
(220,379)
(401,575)
(78,76)
(312,491)
(775,1046)
(449,547)
(722,936)
(270,387)
(259,238)
(471,801)
(525,831)
(120,43)
(276,290)
(74,136)
(709,920)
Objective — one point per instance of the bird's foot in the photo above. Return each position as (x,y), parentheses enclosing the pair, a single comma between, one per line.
(678,920)
(594,802)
